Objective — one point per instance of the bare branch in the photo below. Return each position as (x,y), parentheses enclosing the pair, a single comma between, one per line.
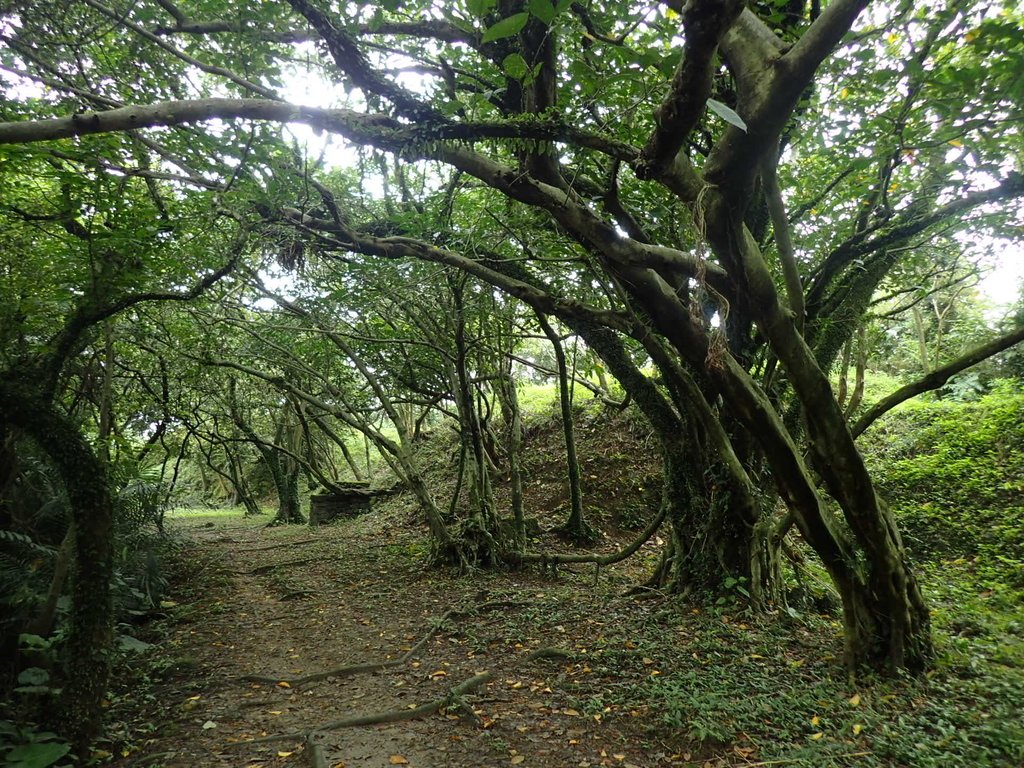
(937,378)
(906,226)
(350,60)
(821,38)
(704,21)
(784,243)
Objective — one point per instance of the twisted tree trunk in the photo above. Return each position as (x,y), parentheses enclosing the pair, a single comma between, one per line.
(91,625)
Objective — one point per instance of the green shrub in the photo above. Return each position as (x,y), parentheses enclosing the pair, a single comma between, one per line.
(954,474)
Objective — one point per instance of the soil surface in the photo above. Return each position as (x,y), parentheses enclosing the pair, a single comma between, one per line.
(258,610)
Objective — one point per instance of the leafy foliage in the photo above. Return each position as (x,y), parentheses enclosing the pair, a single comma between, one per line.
(954,472)
(28,748)
(747,685)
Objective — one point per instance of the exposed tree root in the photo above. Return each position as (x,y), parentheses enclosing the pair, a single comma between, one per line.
(399,715)
(600,561)
(295,594)
(377,666)
(274,566)
(579,534)
(314,753)
(287,544)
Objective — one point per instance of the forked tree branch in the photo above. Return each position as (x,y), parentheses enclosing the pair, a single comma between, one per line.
(351,61)
(704,23)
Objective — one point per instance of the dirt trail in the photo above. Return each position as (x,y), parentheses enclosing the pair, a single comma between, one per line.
(288,603)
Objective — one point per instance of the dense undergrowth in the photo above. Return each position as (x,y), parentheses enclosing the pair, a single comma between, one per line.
(954,475)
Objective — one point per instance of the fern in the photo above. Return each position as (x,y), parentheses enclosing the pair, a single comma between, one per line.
(14,541)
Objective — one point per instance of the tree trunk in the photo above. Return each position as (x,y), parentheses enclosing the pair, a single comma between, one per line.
(922,339)
(8,473)
(480,534)
(512,418)
(844,373)
(285,474)
(42,624)
(575,526)
(886,619)
(861,365)
(91,626)
(241,486)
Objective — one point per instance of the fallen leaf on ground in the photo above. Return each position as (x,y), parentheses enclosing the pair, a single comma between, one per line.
(398,760)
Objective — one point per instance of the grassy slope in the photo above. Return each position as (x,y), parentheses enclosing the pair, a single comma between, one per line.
(953,474)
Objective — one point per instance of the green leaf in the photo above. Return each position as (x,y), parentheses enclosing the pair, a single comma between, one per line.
(129,643)
(506,27)
(33,676)
(26,640)
(727,114)
(515,66)
(480,8)
(543,10)
(35,755)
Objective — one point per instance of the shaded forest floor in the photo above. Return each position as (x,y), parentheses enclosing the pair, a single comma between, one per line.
(282,604)
(634,682)
(580,675)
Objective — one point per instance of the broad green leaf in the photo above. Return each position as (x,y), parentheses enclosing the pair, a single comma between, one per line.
(35,755)
(506,27)
(480,8)
(727,114)
(515,66)
(33,676)
(543,10)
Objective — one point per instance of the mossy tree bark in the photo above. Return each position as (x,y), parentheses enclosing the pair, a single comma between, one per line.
(91,625)
(508,400)
(286,474)
(480,536)
(575,526)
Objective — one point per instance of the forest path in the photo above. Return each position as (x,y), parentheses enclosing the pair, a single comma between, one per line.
(285,603)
